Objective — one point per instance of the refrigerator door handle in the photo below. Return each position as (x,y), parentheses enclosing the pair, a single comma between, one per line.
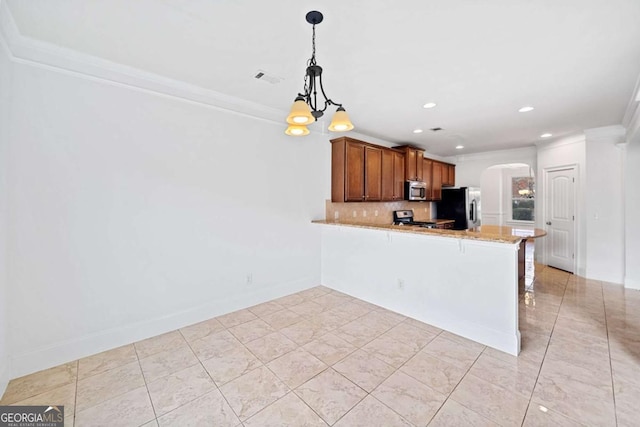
(473,212)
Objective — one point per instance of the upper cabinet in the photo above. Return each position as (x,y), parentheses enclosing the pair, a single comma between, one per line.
(436,186)
(363,172)
(392,175)
(356,174)
(448,175)
(413,166)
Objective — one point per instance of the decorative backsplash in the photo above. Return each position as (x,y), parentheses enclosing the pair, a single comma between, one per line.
(374,212)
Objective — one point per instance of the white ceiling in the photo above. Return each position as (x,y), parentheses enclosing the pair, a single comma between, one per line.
(575,61)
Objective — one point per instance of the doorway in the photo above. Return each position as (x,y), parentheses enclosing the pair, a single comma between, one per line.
(559,217)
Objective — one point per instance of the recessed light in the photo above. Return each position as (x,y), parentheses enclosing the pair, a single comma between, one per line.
(429,105)
(459,147)
(525,109)
(417,131)
(543,408)
(546,135)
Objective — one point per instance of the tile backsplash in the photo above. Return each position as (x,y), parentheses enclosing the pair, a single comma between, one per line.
(374,212)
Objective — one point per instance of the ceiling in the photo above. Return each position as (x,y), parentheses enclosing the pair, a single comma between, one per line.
(575,61)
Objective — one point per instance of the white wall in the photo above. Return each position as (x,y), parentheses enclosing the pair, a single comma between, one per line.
(496,184)
(468,287)
(469,167)
(5,84)
(564,152)
(605,204)
(632,207)
(491,196)
(121,204)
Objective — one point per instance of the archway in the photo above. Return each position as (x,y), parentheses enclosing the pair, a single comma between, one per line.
(508,195)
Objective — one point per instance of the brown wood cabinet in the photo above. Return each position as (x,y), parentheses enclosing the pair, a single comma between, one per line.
(392,175)
(372,173)
(448,175)
(445,225)
(436,184)
(433,177)
(367,172)
(413,165)
(356,171)
(427,167)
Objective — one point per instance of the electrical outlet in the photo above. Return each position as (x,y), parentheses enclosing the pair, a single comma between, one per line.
(401,284)
(375,213)
(355,214)
(249,278)
(364,214)
(336,215)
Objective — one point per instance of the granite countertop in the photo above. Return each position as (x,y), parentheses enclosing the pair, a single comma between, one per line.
(488,233)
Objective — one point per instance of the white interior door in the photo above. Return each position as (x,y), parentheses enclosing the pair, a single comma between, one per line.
(560,218)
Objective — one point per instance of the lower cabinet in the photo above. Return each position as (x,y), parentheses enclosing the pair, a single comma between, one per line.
(445,226)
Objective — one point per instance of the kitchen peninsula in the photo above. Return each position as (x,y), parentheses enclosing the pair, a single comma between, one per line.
(465,281)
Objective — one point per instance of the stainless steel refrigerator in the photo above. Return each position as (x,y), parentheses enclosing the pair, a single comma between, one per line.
(462,205)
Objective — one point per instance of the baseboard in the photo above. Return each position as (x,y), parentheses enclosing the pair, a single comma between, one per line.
(506,342)
(631,284)
(70,350)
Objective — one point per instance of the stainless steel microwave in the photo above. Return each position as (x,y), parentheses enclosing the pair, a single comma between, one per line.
(415,190)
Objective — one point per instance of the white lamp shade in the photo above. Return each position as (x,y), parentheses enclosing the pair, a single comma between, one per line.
(297,130)
(340,121)
(300,113)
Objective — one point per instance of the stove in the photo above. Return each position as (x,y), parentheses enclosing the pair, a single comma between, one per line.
(405,217)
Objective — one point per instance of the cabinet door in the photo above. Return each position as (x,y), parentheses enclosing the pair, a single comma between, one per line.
(447,175)
(354,176)
(452,175)
(437,181)
(427,171)
(410,165)
(419,166)
(398,176)
(388,175)
(372,173)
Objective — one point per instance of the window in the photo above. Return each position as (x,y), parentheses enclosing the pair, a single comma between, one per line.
(523,198)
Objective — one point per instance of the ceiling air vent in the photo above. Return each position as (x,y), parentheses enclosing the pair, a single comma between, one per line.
(436,129)
(266,77)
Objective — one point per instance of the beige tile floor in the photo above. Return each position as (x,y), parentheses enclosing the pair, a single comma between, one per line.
(320,358)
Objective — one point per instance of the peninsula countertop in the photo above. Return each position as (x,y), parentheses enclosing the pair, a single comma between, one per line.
(491,233)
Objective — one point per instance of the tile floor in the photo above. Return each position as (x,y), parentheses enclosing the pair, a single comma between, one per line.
(320,358)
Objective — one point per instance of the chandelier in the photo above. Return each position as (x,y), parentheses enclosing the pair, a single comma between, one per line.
(306,108)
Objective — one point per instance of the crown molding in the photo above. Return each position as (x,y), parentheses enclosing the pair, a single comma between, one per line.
(607,134)
(513,152)
(569,140)
(34,52)
(631,119)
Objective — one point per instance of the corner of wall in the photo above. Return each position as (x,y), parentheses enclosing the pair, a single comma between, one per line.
(5,79)
(5,375)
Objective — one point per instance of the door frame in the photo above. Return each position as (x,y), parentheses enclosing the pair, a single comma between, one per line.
(576,202)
